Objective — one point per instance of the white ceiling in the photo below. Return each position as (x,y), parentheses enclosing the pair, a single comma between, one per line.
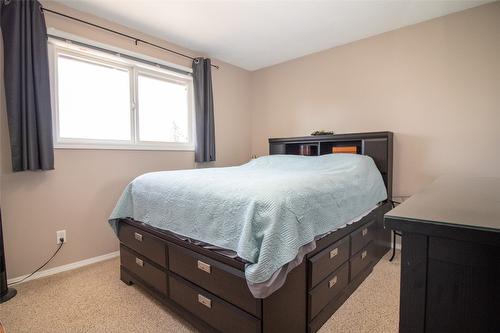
(256,34)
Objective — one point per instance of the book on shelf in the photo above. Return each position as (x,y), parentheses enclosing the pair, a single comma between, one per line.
(306,150)
(345,149)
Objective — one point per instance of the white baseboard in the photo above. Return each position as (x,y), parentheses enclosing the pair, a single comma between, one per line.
(64,268)
(81,263)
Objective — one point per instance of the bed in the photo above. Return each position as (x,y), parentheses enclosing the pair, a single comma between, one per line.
(276,244)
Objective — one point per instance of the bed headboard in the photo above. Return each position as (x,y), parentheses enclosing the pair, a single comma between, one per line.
(377,145)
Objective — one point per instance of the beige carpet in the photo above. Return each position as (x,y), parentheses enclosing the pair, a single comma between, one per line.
(93,299)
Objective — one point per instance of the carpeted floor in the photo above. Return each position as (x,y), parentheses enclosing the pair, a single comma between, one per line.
(93,299)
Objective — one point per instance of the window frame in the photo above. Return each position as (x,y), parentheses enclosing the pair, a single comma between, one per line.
(135,68)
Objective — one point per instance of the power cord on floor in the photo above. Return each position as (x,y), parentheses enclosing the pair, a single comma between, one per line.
(61,240)
(394,203)
(394,232)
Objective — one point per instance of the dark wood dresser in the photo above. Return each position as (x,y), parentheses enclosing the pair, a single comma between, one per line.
(450,266)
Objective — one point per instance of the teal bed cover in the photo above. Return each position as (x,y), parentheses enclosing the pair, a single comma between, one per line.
(264,210)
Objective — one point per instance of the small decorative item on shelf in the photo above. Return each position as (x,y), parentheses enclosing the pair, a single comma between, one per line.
(322,132)
(306,150)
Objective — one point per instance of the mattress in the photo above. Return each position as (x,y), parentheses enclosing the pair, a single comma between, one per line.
(278,278)
(268,211)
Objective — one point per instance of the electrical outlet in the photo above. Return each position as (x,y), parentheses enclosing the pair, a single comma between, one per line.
(61,234)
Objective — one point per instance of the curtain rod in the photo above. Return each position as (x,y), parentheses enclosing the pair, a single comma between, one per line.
(135,39)
(120,54)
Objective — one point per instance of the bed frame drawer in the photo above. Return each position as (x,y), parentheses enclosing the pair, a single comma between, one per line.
(217,313)
(144,243)
(328,260)
(361,260)
(138,265)
(363,236)
(328,289)
(226,282)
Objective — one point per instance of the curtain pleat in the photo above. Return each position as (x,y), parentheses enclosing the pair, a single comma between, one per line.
(204,110)
(27,85)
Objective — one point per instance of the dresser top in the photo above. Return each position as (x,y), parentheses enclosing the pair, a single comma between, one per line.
(472,203)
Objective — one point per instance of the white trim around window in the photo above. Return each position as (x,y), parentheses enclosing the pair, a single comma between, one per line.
(134,68)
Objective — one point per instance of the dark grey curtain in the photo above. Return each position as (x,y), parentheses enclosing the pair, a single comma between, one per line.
(27,89)
(204,104)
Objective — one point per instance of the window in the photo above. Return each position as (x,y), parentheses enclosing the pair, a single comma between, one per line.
(154,95)
(107,102)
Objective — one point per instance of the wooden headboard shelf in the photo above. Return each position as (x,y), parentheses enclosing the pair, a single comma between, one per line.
(377,145)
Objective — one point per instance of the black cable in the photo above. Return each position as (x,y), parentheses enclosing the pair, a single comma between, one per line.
(39,268)
(394,203)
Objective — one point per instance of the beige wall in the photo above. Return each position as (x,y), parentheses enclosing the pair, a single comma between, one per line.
(80,193)
(436,85)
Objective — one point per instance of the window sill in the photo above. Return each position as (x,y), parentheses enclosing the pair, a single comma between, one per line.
(73,146)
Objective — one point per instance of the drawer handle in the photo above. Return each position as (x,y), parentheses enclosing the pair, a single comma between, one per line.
(138,236)
(139,262)
(363,254)
(332,282)
(205,301)
(204,267)
(364,232)
(334,252)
